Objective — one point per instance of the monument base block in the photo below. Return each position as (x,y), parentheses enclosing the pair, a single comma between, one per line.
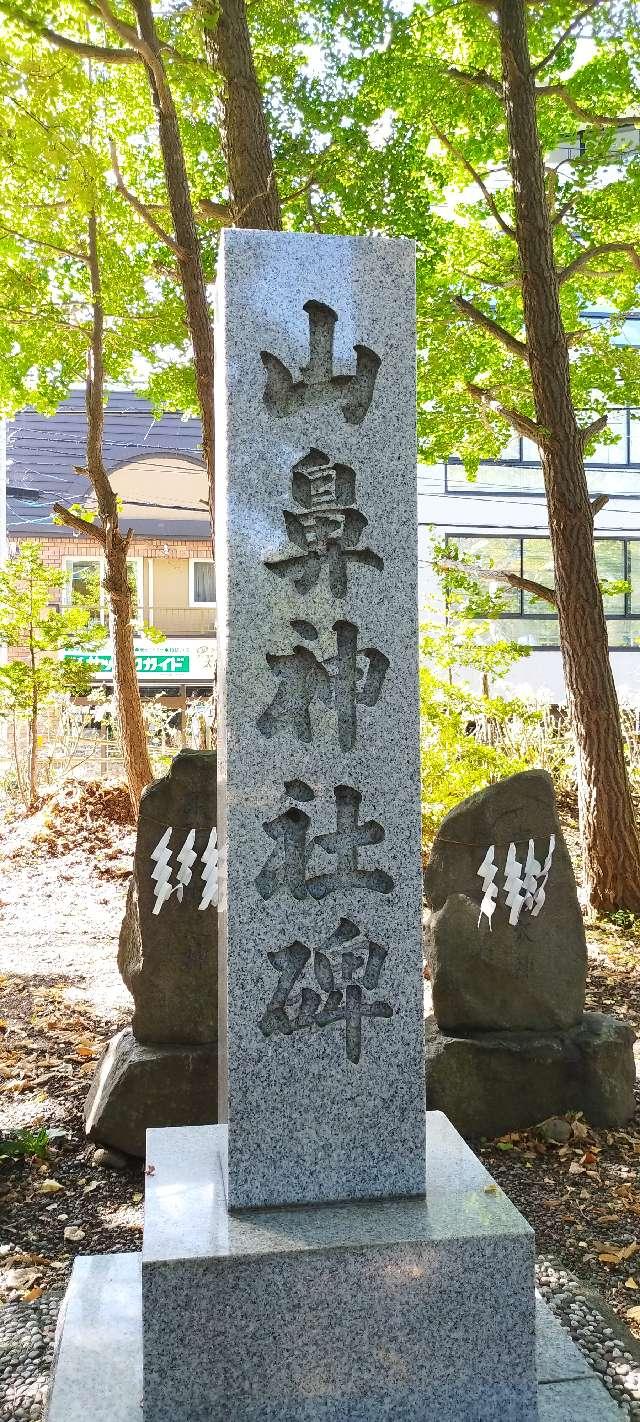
(395,1310)
(469,1337)
(137,1086)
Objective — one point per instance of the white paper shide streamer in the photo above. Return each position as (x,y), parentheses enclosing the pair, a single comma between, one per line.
(488,870)
(161,856)
(538,903)
(513,885)
(186,857)
(524,890)
(210,872)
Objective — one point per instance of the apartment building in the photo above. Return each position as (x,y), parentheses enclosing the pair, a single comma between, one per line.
(156,470)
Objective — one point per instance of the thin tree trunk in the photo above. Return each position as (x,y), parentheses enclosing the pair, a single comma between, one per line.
(132,728)
(186,234)
(610,843)
(33,728)
(245,137)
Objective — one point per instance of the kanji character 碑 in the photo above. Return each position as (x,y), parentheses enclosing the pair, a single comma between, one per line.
(344,983)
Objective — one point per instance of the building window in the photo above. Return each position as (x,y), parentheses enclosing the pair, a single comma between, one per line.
(84,586)
(528,619)
(202,582)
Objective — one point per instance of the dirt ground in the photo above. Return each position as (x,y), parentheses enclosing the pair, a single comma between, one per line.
(62,888)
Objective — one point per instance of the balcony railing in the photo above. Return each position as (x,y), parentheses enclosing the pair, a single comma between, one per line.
(173,621)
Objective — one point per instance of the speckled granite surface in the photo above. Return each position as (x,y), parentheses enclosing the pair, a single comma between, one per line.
(370,1310)
(98,1362)
(316,566)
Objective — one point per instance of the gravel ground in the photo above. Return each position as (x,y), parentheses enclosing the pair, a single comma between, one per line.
(26,1346)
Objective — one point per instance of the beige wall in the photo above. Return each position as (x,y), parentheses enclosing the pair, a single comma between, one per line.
(165,578)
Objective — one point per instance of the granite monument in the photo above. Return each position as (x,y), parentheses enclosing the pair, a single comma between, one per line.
(304,1260)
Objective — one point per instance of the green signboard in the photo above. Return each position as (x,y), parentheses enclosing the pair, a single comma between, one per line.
(147,663)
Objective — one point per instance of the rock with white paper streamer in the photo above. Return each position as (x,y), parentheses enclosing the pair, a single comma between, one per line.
(169,938)
(504,936)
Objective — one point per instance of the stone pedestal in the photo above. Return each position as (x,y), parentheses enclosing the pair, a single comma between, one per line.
(140,1085)
(491,1082)
(403,1309)
(395,1311)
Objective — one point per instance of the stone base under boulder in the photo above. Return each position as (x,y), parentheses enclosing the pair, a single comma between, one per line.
(138,1086)
(488,1083)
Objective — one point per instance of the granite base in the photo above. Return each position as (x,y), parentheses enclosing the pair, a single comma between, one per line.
(98,1358)
(450,1333)
(389,1311)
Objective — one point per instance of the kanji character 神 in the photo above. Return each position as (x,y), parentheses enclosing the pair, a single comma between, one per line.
(352,678)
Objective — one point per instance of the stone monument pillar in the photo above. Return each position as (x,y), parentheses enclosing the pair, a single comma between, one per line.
(363,1295)
(321,1027)
(301,1262)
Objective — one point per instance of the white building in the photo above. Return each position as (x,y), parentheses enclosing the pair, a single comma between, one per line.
(502,516)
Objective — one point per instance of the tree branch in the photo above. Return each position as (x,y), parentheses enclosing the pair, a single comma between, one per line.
(595,428)
(512,344)
(598,503)
(526,427)
(72,520)
(499,575)
(487,195)
(583,259)
(83,48)
(219,211)
(559,216)
(560,91)
(139,207)
(51,246)
(479,78)
(566,34)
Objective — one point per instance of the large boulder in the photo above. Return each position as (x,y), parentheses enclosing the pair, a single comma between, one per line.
(137,1086)
(169,958)
(491,1082)
(489,973)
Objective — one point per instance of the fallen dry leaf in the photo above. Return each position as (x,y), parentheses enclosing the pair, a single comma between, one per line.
(630,1283)
(49,1187)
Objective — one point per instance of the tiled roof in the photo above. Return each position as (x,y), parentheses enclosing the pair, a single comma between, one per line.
(42,451)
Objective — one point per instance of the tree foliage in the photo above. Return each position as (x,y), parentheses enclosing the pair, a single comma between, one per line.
(41,631)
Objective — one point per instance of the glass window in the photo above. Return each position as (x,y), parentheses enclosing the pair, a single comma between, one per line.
(530,631)
(537,564)
(612,453)
(84,585)
(503,553)
(203,584)
(610,565)
(634,432)
(633,549)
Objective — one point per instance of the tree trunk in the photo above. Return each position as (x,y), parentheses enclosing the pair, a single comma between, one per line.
(132,728)
(133,732)
(33,729)
(609,834)
(186,234)
(245,137)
